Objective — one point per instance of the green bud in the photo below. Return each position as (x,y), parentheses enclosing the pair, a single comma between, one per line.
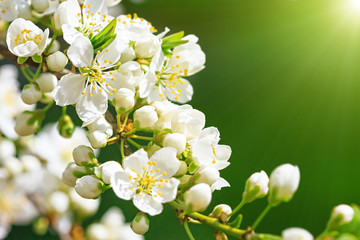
(66,126)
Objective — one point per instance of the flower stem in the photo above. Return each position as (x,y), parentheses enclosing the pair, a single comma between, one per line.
(238,207)
(187,230)
(135,144)
(26,75)
(142,137)
(261,216)
(122,148)
(37,72)
(51,42)
(47,107)
(118,121)
(130,132)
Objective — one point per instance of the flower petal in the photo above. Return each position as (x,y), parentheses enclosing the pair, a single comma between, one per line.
(166,161)
(220,183)
(168,190)
(69,88)
(148,204)
(70,33)
(81,52)
(223,152)
(180,91)
(136,161)
(123,187)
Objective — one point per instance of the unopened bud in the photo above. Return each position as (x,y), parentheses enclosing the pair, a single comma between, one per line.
(147,46)
(107,169)
(84,156)
(140,224)
(124,99)
(66,126)
(296,234)
(26,124)
(47,82)
(102,125)
(89,187)
(145,117)
(23,9)
(222,212)
(55,46)
(97,139)
(72,173)
(340,215)
(198,197)
(57,61)
(40,5)
(256,187)
(31,94)
(175,140)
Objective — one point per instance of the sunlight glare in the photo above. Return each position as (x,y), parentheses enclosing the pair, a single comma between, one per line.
(355,4)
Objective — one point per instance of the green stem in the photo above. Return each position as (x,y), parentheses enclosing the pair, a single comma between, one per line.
(38,71)
(261,216)
(27,69)
(135,144)
(122,148)
(142,138)
(47,107)
(187,230)
(112,139)
(26,75)
(126,118)
(118,116)
(51,42)
(64,110)
(238,207)
(130,132)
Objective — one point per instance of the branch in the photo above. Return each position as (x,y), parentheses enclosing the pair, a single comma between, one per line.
(4,51)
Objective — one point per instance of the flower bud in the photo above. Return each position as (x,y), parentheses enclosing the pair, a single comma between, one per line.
(47,82)
(58,202)
(140,224)
(127,55)
(296,234)
(65,126)
(57,61)
(198,197)
(23,9)
(89,187)
(284,182)
(40,5)
(222,212)
(175,140)
(47,97)
(256,186)
(145,117)
(55,46)
(71,173)
(107,169)
(340,215)
(26,124)
(124,99)
(31,94)
(97,139)
(146,46)
(102,125)
(208,175)
(84,156)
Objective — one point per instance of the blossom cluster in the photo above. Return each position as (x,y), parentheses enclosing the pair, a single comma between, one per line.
(129,86)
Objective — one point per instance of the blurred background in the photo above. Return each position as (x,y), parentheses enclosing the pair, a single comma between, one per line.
(282,84)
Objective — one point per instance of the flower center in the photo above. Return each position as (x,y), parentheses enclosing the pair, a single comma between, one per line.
(27,35)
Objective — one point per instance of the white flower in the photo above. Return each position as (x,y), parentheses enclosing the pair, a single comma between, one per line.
(90,89)
(47,82)
(88,187)
(58,202)
(124,99)
(24,125)
(31,94)
(11,9)
(44,7)
(257,186)
(107,169)
(145,116)
(25,39)
(83,155)
(175,140)
(102,125)
(79,23)
(148,182)
(284,182)
(83,205)
(140,224)
(57,61)
(111,3)
(187,121)
(147,46)
(208,175)
(198,197)
(340,215)
(296,234)
(165,111)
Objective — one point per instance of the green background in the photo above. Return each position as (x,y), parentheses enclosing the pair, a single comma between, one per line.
(281,83)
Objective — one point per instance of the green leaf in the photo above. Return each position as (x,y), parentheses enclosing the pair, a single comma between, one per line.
(21,60)
(104,36)
(174,37)
(37,58)
(170,45)
(105,44)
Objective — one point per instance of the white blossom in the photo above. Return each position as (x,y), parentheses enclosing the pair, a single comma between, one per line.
(97,139)
(25,39)
(88,187)
(187,121)
(107,169)
(47,82)
(296,234)
(146,117)
(198,197)
(124,99)
(31,94)
(175,140)
(147,181)
(102,125)
(257,186)
(57,61)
